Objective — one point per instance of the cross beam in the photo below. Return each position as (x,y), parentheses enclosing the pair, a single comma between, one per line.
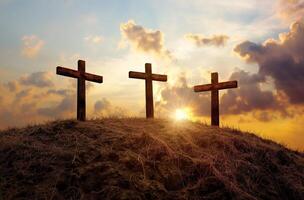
(214,87)
(81,76)
(148,77)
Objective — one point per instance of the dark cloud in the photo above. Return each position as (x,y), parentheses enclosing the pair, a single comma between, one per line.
(200,40)
(101,105)
(144,40)
(104,108)
(60,92)
(249,96)
(282,60)
(22,94)
(38,79)
(65,107)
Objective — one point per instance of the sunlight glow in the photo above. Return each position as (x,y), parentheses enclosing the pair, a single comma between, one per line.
(182,114)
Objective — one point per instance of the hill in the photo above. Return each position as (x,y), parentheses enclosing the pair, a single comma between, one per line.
(145,159)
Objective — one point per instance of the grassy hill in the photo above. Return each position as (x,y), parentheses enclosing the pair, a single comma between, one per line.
(145,159)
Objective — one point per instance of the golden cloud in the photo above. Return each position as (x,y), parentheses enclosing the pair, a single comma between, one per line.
(34,98)
(291,10)
(144,40)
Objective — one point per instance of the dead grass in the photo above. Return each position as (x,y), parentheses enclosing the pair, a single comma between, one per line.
(145,159)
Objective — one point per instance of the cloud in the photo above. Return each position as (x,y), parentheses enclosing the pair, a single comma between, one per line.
(249,96)
(94,39)
(144,40)
(34,98)
(38,79)
(66,106)
(282,60)
(32,45)
(22,94)
(101,105)
(104,108)
(181,95)
(292,10)
(13,85)
(59,92)
(201,41)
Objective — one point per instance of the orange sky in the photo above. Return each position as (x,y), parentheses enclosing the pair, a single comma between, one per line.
(258,43)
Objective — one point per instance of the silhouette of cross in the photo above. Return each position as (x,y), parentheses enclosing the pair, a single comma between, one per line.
(82,76)
(149,77)
(214,87)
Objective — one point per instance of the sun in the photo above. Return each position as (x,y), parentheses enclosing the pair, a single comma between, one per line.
(182,114)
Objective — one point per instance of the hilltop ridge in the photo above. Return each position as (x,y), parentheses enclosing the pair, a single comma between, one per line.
(145,159)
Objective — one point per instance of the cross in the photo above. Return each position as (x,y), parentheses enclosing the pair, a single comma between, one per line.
(81,76)
(149,77)
(214,87)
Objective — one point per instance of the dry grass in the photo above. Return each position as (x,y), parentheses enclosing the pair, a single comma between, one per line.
(145,159)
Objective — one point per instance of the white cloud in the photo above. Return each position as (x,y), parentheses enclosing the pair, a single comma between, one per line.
(144,40)
(200,40)
(32,45)
(94,39)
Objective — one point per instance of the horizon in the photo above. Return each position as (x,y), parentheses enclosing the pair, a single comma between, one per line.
(260,44)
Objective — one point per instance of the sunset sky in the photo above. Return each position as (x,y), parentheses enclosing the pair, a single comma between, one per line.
(259,43)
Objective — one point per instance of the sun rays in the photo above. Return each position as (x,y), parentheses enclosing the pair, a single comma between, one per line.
(182,114)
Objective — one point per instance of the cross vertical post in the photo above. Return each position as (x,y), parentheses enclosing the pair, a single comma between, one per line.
(81,92)
(214,87)
(149,92)
(215,121)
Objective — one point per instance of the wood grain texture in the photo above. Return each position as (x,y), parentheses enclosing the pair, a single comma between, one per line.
(67,72)
(218,86)
(137,75)
(215,111)
(141,75)
(159,77)
(149,92)
(93,78)
(81,92)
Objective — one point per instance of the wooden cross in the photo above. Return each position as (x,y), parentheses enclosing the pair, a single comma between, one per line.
(81,76)
(214,87)
(149,77)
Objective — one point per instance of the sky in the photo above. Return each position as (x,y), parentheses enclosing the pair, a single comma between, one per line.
(258,43)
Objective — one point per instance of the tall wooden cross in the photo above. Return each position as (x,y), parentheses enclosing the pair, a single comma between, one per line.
(81,76)
(149,77)
(214,87)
